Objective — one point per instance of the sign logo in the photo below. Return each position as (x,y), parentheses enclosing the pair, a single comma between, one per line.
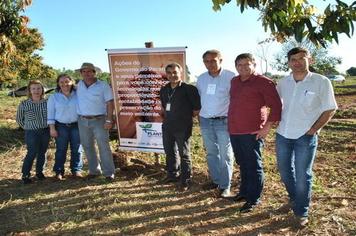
(150,131)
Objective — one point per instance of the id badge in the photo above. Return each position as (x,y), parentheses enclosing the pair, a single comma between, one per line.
(211,89)
(168,107)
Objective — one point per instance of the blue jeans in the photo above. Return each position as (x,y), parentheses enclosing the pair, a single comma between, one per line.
(174,163)
(37,144)
(67,134)
(91,130)
(295,159)
(219,151)
(248,153)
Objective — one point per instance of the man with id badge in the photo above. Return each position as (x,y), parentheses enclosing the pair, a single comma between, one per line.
(214,90)
(180,102)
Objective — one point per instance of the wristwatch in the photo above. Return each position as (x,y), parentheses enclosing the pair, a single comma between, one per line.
(108,121)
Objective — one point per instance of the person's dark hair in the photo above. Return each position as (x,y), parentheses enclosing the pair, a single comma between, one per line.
(173,65)
(58,89)
(297,50)
(213,52)
(248,56)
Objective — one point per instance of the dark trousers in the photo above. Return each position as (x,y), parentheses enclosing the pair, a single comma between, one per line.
(67,134)
(247,152)
(174,164)
(37,144)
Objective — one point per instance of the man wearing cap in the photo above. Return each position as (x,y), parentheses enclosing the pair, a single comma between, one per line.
(95,109)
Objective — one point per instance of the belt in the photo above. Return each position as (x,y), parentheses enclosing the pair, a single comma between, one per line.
(67,124)
(92,117)
(218,118)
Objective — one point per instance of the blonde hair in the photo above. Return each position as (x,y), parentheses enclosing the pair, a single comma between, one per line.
(29,95)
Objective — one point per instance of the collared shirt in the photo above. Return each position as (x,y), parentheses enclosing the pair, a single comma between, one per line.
(214,93)
(182,100)
(92,100)
(303,103)
(32,115)
(62,108)
(253,102)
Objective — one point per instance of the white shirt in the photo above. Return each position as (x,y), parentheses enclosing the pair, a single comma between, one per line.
(61,108)
(303,103)
(92,100)
(214,93)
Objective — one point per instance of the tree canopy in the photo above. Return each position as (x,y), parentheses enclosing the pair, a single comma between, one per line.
(322,62)
(18,45)
(300,19)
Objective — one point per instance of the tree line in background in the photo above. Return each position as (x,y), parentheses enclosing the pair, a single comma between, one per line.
(19,44)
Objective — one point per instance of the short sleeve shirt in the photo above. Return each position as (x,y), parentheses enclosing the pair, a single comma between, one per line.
(182,100)
(215,93)
(92,100)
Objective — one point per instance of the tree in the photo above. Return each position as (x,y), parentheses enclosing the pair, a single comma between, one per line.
(12,24)
(298,18)
(351,71)
(23,63)
(262,52)
(322,62)
(18,45)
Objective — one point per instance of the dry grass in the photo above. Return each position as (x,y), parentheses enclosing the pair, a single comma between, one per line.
(136,204)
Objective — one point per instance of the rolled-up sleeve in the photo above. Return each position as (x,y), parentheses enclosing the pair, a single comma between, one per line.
(51,110)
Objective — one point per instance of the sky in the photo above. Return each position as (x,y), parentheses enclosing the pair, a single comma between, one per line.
(77,31)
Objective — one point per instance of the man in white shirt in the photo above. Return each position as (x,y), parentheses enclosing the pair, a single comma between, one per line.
(95,109)
(308,104)
(214,91)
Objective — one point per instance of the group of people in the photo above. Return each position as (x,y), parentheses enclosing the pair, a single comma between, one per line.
(235,114)
(75,115)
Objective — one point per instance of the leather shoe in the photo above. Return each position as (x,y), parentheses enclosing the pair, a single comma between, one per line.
(91,176)
(109,178)
(184,187)
(40,176)
(238,198)
(210,186)
(168,180)
(247,207)
(26,180)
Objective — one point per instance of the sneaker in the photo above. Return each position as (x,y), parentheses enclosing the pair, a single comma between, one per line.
(40,176)
(225,193)
(210,186)
(247,207)
(302,220)
(26,180)
(168,180)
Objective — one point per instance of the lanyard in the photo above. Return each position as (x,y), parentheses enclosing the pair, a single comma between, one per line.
(171,95)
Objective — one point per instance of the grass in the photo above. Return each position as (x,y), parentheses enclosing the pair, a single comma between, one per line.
(136,204)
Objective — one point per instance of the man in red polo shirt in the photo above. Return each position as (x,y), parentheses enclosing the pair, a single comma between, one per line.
(254,107)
